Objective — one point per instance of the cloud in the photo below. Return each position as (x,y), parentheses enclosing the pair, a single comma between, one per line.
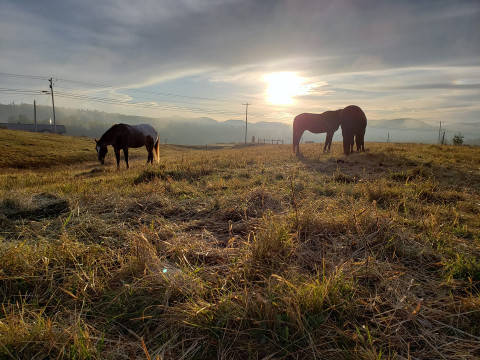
(157,37)
(365,50)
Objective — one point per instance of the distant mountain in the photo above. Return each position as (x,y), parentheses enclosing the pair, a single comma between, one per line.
(205,130)
(237,123)
(402,123)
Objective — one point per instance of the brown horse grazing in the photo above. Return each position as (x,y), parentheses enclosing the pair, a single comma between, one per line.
(122,137)
(353,122)
(328,122)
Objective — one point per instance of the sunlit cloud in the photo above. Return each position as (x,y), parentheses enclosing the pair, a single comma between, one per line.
(283,87)
(113,94)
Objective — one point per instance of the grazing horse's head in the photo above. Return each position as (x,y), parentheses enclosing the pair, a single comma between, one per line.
(101,151)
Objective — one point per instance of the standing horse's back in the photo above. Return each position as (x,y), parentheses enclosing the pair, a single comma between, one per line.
(318,123)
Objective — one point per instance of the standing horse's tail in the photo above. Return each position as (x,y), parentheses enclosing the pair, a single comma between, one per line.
(156,147)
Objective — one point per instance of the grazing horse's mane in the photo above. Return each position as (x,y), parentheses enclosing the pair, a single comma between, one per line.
(108,136)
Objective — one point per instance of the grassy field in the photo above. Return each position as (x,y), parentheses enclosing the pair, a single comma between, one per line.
(238,253)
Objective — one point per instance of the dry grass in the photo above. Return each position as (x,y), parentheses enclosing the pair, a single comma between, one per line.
(245,253)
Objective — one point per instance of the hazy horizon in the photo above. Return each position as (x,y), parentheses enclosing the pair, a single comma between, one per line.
(207,130)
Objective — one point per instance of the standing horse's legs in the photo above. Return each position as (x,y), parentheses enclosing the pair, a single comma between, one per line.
(117,156)
(297,135)
(360,140)
(351,145)
(125,153)
(348,140)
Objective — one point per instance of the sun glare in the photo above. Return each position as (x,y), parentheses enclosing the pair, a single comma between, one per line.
(283,87)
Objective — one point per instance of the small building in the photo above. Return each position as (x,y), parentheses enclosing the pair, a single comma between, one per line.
(43,128)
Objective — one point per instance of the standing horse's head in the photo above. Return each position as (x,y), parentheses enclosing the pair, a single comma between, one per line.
(101,151)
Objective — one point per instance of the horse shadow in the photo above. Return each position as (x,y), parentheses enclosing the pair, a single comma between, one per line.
(392,165)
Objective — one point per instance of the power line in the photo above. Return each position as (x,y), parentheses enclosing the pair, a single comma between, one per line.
(20,91)
(119,102)
(147,92)
(110,86)
(142,105)
(124,89)
(24,76)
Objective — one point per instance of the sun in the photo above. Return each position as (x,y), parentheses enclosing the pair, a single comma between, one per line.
(283,87)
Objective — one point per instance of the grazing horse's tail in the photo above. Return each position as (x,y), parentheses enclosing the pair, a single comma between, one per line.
(156,147)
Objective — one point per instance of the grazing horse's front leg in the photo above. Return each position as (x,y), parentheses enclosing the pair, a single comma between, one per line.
(117,155)
(125,153)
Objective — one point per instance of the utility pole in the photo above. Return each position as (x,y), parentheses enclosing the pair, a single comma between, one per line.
(53,104)
(246,119)
(439,131)
(35,114)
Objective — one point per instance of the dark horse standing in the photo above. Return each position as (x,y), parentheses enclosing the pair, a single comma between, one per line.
(354,123)
(122,137)
(328,122)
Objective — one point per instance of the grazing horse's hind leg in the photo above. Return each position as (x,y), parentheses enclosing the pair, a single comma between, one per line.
(125,153)
(150,157)
(149,147)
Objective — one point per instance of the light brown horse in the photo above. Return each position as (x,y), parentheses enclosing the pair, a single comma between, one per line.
(353,122)
(122,137)
(328,122)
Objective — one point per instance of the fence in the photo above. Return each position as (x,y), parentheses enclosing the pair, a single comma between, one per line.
(270,141)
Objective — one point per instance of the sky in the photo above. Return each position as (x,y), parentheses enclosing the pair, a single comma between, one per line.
(208,58)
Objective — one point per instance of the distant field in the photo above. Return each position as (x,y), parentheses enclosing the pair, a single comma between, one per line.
(238,253)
